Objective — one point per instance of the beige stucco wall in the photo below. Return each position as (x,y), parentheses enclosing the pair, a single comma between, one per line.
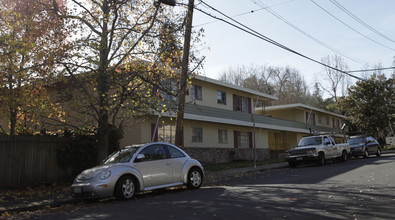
(210,135)
(209,95)
(288,114)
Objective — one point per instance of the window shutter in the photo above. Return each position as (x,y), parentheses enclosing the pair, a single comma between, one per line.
(153,125)
(234,102)
(250,138)
(235,139)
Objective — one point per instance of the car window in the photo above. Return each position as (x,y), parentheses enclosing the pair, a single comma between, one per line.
(154,152)
(121,156)
(175,153)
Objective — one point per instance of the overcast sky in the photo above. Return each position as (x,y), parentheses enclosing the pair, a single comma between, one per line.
(227,46)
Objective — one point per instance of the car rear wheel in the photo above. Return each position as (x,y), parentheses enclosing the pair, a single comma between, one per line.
(321,159)
(195,178)
(343,157)
(366,153)
(125,188)
(378,153)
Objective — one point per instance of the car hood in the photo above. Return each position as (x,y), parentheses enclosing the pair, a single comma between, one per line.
(92,172)
(356,145)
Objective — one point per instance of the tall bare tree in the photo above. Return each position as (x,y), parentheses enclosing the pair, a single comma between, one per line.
(334,82)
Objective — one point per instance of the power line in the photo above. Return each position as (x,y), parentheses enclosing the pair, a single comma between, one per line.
(262,5)
(359,20)
(350,26)
(245,13)
(267,39)
(370,70)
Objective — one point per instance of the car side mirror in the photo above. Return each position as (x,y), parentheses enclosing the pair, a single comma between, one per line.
(140,157)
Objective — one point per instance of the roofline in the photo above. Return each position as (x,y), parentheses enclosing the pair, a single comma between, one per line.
(299,105)
(228,85)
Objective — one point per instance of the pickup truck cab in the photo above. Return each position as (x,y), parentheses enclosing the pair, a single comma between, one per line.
(317,149)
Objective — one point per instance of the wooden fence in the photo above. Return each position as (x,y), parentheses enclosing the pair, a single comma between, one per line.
(27,161)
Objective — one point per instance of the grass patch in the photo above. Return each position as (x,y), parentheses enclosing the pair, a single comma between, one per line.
(240,164)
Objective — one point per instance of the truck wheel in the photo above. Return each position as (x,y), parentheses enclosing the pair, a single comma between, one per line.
(366,153)
(343,157)
(321,159)
(378,153)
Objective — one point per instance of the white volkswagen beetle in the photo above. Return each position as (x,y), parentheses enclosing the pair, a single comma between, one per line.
(139,168)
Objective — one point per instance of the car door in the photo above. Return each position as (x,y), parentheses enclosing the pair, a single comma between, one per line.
(372,145)
(329,147)
(177,160)
(155,166)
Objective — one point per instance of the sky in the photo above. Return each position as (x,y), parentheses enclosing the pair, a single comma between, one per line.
(225,46)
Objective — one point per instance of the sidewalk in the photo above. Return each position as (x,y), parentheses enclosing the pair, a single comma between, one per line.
(31,199)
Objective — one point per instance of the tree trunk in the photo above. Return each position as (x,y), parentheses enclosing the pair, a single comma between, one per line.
(103,87)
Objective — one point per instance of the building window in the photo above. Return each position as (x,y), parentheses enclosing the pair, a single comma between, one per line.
(167,133)
(241,104)
(222,136)
(319,119)
(196,92)
(328,122)
(221,97)
(242,139)
(197,135)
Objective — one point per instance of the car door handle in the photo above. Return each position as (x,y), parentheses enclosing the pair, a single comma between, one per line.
(168,164)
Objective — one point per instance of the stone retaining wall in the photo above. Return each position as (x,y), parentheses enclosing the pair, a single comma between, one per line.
(223,155)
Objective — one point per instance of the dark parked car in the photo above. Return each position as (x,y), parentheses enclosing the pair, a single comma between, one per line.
(364,146)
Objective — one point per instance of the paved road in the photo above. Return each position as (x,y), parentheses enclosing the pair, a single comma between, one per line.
(356,189)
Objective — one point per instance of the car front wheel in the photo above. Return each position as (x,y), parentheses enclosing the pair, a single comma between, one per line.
(366,153)
(378,153)
(125,188)
(321,159)
(195,178)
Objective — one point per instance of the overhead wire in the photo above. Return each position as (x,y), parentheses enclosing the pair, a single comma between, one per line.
(249,12)
(359,20)
(350,26)
(267,39)
(262,5)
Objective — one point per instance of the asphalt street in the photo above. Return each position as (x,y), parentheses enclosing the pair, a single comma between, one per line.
(355,189)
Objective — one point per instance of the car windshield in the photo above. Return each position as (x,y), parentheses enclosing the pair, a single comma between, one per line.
(307,141)
(122,155)
(356,140)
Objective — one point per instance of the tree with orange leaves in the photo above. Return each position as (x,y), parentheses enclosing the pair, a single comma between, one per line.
(31,40)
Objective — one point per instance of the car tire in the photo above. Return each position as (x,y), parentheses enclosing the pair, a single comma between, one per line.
(321,159)
(125,188)
(378,153)
(293,164)
(366,153)
(195,178)
(344,156)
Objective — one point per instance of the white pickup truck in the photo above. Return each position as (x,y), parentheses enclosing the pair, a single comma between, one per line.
(317,149)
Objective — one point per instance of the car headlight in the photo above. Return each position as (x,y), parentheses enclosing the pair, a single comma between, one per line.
(105,174)
(312,151)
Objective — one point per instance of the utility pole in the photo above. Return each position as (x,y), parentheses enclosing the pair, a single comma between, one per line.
(179,139)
